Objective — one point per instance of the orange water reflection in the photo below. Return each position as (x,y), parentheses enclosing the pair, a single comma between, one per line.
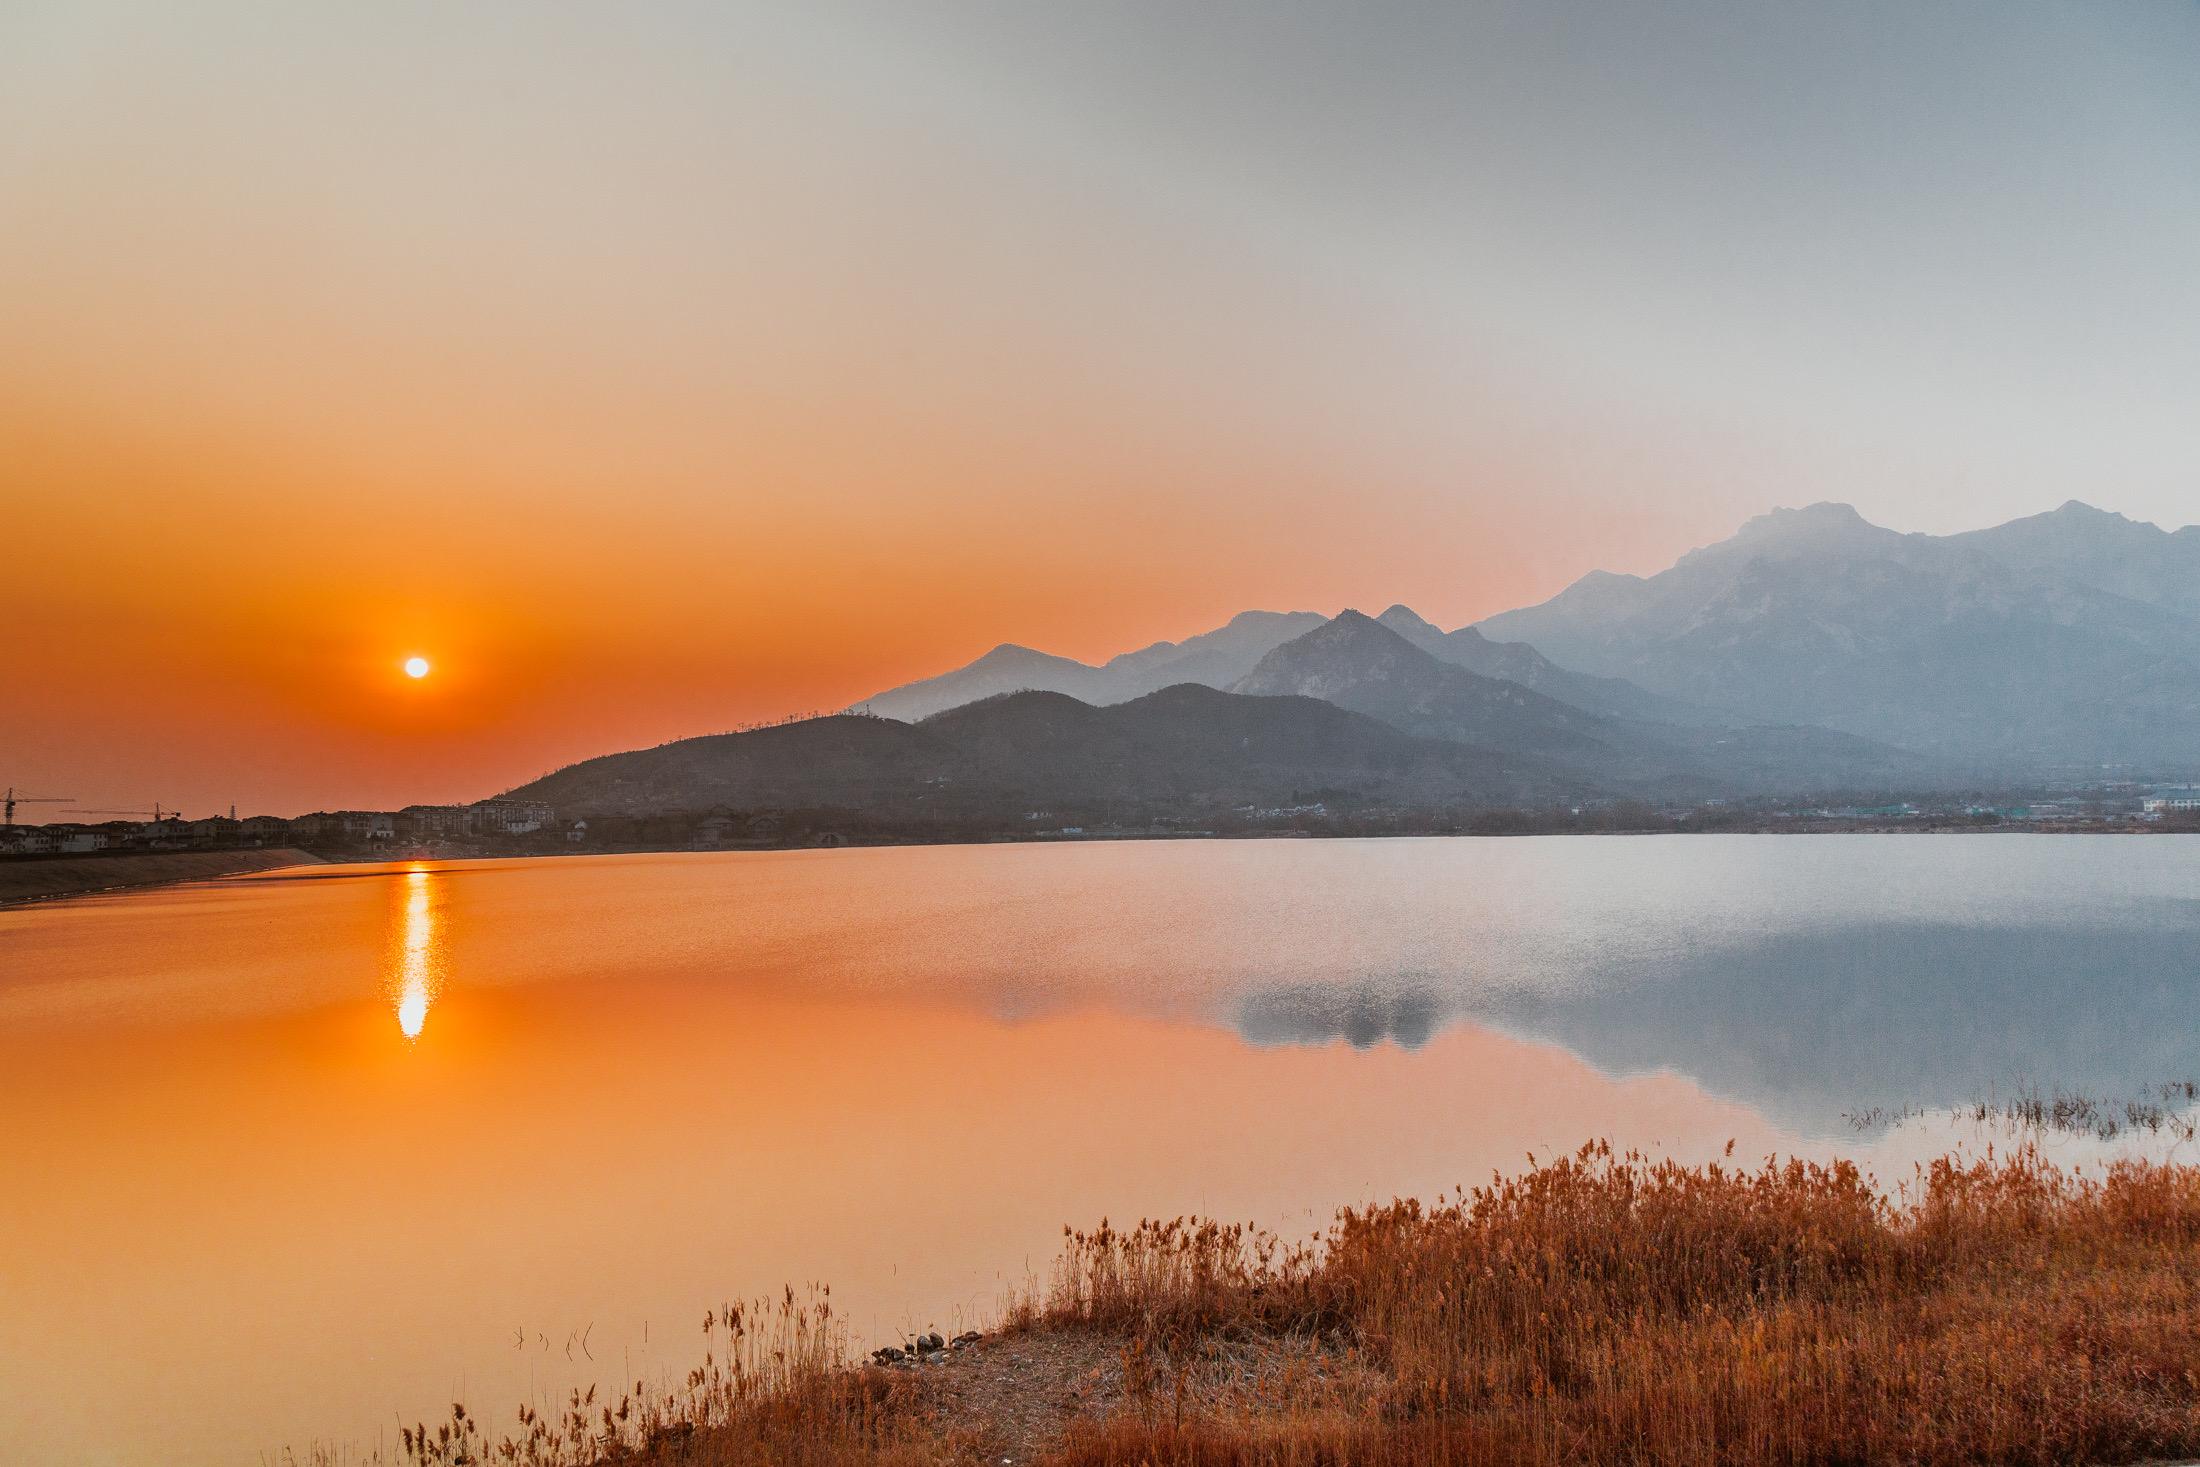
(240,1213)
(311,1226)
(618,1162)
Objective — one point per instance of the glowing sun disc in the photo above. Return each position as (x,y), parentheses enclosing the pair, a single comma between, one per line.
(416,667)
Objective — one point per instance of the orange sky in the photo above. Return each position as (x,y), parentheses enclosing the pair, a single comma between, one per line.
(219,617)
(660,372)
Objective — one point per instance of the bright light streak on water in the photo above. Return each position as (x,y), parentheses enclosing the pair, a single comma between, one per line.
(415,980)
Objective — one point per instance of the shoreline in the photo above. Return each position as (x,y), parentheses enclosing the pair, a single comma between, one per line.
(25,880)
(28,879)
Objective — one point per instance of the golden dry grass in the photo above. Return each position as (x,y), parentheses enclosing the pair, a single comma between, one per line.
(1598,1309)
(1613,1309)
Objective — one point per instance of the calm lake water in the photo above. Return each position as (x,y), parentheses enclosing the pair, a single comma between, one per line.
(294,1157)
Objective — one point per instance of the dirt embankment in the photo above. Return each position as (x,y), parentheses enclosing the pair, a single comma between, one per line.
(29,878)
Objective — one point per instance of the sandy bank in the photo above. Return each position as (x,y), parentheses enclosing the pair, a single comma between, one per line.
(30,878)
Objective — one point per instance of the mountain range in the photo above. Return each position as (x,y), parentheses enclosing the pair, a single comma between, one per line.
(2062,642)
(1520,663)
(1359,663)
(1812,651)
(1213,659)
(1186,747)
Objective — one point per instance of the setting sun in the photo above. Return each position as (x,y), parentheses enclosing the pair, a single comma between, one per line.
(416,667)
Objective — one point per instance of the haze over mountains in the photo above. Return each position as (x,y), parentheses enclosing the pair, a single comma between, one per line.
(1809,652)
(2063,641)
(1520,663)
(1358,663)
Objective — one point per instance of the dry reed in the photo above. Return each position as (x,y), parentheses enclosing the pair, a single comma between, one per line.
(1599,1308)
(1608,1308)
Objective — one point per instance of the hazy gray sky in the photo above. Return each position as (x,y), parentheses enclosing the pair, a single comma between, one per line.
(826,345)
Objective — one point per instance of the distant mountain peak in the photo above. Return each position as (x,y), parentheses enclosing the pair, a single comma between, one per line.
(1358,663)
(1347,639)
(1016,652)
(1401,617)
(1826,517)
(1351,628)
(1024,697)
(1215,658)
(2077,513)
(1457,646)
(1182,695)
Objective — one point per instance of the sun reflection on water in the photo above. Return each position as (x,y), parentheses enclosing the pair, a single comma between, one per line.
(412,1012)
(416,976)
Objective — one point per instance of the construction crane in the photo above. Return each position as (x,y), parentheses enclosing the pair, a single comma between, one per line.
(156,813)
(17,797)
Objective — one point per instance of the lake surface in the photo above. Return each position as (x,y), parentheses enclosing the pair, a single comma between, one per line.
(292,1158)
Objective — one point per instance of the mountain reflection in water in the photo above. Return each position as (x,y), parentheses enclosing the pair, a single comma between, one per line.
(1361,1016)
(1808,1027)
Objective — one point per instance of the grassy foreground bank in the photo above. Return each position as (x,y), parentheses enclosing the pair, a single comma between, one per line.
(1599,1309)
